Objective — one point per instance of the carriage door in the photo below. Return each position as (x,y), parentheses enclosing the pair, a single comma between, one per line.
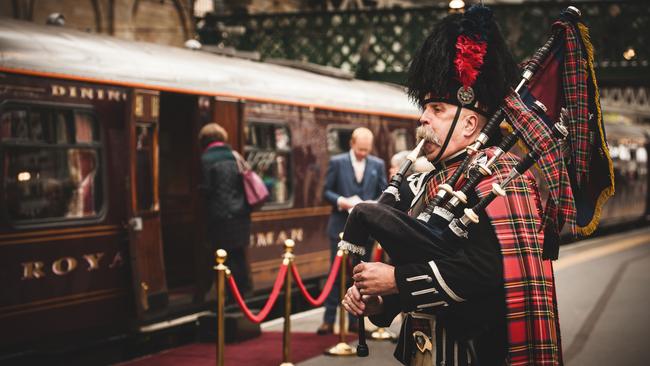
(143,208)
(228,112)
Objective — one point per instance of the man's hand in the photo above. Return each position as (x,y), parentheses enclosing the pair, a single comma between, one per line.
(344,203)
(375,278)
(359,305)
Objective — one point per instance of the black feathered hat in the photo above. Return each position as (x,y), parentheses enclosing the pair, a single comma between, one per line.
(465,62)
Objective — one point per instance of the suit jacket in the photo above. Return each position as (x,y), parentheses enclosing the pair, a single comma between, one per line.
(340,181)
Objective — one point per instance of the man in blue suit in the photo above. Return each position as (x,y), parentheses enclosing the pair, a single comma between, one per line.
(352,177)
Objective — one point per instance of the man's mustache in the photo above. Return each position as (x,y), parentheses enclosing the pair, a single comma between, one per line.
(427,134)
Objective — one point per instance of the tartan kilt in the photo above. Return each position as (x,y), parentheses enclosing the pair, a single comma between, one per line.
(531,315)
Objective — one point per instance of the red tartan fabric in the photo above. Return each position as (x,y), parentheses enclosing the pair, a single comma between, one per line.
(566,79)
(441,175)
(576,99)
(560,208)
(532,322)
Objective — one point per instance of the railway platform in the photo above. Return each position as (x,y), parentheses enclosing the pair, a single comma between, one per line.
(602,297)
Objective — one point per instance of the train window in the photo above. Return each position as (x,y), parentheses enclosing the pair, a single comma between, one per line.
(84,127)
(400,137)
(51,163)
(268,151)
(14,125)
(338,139)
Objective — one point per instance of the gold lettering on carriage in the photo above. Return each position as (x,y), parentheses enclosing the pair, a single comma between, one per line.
(269,238)
(66,265)
(88,93)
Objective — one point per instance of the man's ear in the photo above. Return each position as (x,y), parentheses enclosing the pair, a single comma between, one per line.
(471,125)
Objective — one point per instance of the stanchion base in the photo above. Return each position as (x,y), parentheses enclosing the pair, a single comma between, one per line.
(341,349)
(381,334)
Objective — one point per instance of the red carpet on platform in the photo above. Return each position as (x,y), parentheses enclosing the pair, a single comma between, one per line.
(262,351)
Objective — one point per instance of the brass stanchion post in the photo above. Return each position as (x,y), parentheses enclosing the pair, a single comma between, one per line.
(220,258)
(342,348)
(286,336)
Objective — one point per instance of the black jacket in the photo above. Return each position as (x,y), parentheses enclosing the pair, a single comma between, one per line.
(228,213)
(463,291)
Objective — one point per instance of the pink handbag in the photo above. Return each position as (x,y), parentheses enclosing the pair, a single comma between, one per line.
(254,187)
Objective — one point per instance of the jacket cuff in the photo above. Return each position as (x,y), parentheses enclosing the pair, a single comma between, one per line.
(422,288)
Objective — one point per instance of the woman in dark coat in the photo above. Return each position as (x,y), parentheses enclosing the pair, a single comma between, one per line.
(228,218)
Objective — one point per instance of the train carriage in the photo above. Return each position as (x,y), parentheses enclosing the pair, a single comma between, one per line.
(100,171)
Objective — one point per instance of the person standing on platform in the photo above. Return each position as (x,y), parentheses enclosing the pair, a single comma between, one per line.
(352,177)
(492,302)
(228,220)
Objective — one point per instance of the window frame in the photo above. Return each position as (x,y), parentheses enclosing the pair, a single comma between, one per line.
(268,206)
(339,126)
(99,147)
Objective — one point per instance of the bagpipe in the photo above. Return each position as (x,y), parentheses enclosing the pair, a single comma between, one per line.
(441,228)
(438,228)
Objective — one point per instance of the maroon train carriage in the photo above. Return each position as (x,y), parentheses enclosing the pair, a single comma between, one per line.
(100,166)
(99,207)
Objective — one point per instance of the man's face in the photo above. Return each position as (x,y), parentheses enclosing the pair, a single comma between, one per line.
(361,146)
(435,122)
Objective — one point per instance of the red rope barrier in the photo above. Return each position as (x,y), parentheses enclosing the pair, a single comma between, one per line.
(328,284)
(277,286)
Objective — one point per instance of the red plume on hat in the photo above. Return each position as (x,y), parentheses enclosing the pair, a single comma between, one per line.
(464,61)
(469,58)
(471,47)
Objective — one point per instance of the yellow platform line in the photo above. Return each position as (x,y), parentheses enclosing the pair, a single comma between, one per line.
(601,251)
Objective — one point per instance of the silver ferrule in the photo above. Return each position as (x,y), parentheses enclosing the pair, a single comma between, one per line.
(541,106)
(443,213)
(512,175)
(476,145)
(394,191)
(575,11)
(457,229)
(525,78)
(424,217)
(465,220)
(454,201)
(562,130)
(497,154)
(482,138)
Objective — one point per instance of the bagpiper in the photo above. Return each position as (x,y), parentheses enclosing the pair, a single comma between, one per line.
(490,300)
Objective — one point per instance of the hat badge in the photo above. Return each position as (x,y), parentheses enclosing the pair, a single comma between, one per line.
(465,95)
